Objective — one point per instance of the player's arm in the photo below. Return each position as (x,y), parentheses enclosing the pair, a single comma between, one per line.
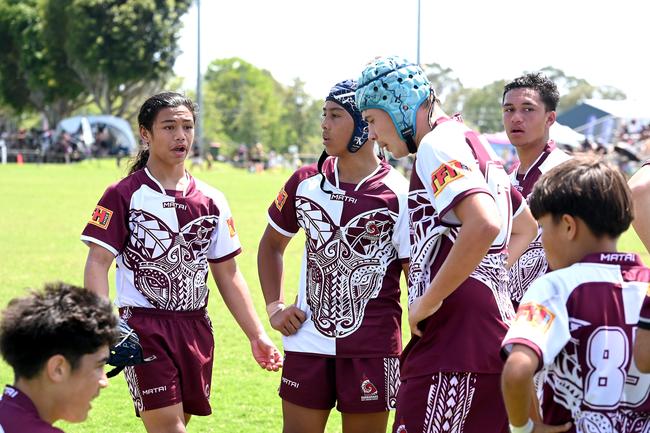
(524,230)
(235,293)
(640,185)
(518,389)
(270,268)
(98,263)
(481,224)
(642,350)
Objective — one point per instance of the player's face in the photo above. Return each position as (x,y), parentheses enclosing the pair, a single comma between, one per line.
(525,118)
(337,126)
(382,130)
(83,385)
(171,136)
(554,242)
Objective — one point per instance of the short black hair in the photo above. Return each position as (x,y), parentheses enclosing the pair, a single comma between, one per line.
(60,319)
(546,88)
(588,188)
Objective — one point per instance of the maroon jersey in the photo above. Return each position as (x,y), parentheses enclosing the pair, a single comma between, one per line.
(356,238)
(532,263)
(19,415)
(465,334)
(580,322)
(163,240)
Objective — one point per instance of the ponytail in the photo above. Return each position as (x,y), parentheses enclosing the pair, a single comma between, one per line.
(139,161)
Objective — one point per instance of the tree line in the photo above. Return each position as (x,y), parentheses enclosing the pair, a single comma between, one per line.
(62,57)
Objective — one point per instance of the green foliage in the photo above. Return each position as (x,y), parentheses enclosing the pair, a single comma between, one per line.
(482,107)
(245,105)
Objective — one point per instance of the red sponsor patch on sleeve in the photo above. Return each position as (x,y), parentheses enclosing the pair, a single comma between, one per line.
(101,217)
(281,199)
(231,227)
(536,315)
(446,174)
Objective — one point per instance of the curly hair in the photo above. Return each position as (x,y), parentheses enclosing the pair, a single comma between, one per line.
(546,88)
(60,319)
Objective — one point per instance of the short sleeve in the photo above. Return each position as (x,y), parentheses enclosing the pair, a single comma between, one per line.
(108,223)
(449,174)
(541,323)
(282,212)
(224,242)
(518,202)
(401,234)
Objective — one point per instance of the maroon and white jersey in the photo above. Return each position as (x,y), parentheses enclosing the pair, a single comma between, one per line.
(644,316)
(163,240)
(532,263)
(356,241)
(580,322)
(19,415)
(465,334)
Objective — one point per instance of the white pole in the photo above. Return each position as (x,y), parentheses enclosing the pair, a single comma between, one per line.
(198,137)
(418,52)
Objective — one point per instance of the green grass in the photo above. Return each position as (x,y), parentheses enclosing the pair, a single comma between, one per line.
(44,209)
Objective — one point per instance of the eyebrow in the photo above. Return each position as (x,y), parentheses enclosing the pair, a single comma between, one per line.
(333,109)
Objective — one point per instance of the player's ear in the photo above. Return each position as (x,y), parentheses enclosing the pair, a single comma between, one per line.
(569,226)
(57,368)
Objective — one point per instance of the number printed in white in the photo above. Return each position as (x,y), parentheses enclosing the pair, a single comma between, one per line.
(607,358)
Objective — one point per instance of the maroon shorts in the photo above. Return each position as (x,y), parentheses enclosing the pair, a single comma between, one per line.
(454,402)
(356,385)
(182,347)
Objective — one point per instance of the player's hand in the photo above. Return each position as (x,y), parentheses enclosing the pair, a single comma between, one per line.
(288,320)
(265,353)
(545,428)
(417,313)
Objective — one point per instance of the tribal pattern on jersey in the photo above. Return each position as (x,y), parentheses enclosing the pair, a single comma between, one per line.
(425,242)
(492,273)
(391,376)
(449,402)
(170,269)
(345,266)
(530,265)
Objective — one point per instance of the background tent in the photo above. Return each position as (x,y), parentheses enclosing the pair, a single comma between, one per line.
(118,128)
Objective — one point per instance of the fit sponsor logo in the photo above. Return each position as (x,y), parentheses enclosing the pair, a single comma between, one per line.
(342,197)
(231,227)
(446,174)
(168,204)
(617,257)
(368,390)
(101,217)
(281,199)
(155,390)
(536,315)
(290,383)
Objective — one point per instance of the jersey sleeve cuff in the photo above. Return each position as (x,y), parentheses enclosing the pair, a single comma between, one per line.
(644,323)
(226,257)
(280,229)
(88,240)
(460,197)
(507,346)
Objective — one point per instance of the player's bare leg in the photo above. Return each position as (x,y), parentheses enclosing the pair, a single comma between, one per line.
(365,422)
(170,419)
(299,419)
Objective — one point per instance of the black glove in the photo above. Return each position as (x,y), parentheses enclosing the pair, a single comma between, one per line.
(126,352)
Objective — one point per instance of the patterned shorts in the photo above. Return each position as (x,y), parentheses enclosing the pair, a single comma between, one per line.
(355,385)
(451,402)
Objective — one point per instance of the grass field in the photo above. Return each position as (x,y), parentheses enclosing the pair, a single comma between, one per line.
(42,212)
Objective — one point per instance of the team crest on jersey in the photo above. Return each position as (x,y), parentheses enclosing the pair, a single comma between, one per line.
(372,231)
(446,174)
(368,390)
(101,217)
(281,199)
(536,315)
(401,429)
(231,227)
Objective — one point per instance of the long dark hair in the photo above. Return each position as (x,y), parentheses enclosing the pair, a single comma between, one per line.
(147,115)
